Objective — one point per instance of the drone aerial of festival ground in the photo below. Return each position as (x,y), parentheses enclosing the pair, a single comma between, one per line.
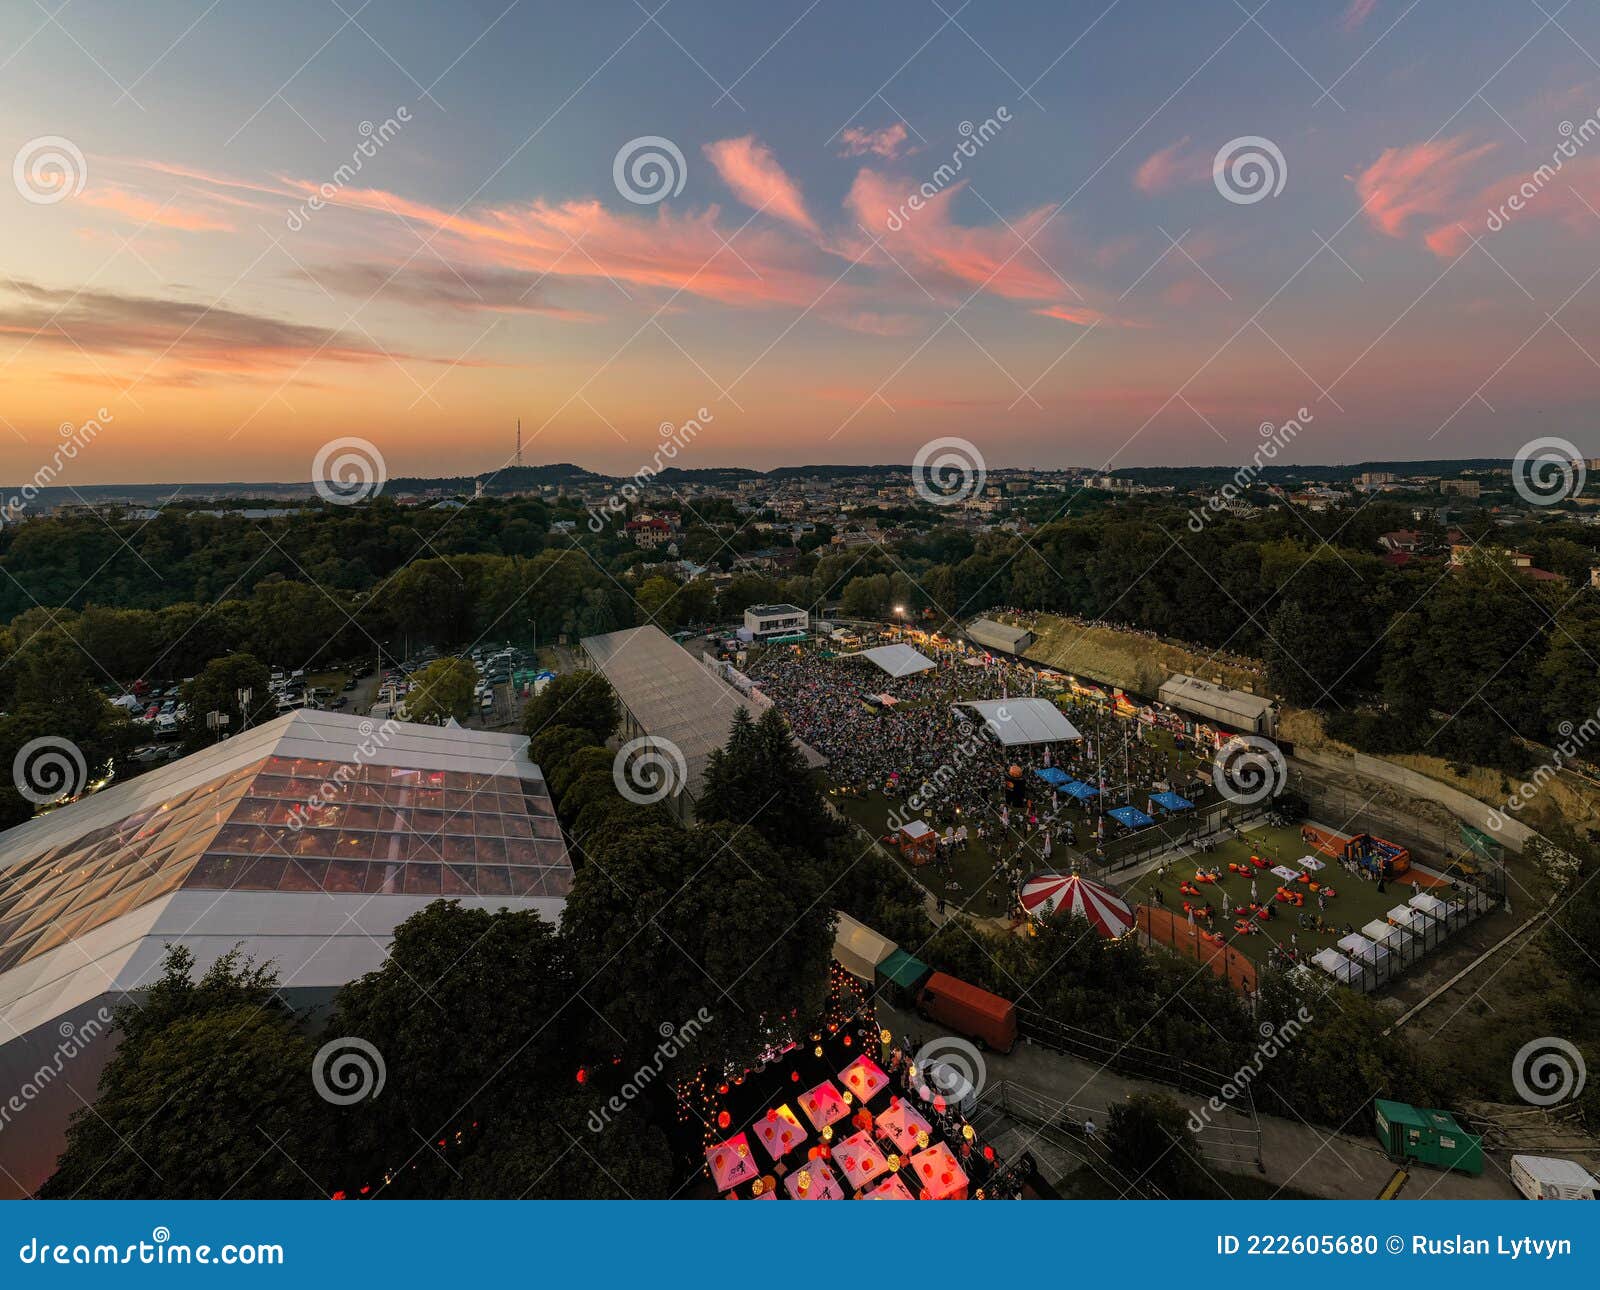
(702,601)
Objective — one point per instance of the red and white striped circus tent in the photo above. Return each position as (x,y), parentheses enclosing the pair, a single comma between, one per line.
(1046,893)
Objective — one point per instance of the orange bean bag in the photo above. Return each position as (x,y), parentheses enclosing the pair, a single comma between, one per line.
(1259,862)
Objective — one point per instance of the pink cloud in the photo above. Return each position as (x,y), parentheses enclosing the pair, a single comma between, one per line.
(583,239)
(925,240)
(164,214)
(1421,182)
(1080,315)
(756,178)
(888,142)
(1358,12)
(1169,167)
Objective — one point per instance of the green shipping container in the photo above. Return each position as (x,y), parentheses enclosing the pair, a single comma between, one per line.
(1426,1136)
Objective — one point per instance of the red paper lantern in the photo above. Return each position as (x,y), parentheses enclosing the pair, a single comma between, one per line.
(723,1119)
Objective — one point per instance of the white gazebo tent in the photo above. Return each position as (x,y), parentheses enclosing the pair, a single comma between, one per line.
(858,949)
(898,660)
(1021,721)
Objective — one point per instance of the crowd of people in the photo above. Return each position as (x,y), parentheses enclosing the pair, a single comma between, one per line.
(933,760)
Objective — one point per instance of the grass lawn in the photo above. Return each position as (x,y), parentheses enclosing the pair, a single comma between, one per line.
(979,894)
(1357,903)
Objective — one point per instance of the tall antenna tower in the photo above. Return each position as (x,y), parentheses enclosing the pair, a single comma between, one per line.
(519,441)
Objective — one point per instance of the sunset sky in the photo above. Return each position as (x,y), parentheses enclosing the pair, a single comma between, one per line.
(1081,292)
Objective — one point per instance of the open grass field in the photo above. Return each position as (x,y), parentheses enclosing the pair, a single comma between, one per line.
(1357,901)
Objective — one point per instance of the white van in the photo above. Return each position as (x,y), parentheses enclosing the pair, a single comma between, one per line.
(1546,1178)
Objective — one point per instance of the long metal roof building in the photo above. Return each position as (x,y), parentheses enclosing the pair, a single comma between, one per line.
(999,636)
(1232,708)
(666,693)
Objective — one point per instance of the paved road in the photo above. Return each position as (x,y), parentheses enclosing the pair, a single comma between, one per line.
(1295,1154)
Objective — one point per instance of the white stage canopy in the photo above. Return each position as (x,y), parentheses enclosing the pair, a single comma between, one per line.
(897,660)
(1019,721)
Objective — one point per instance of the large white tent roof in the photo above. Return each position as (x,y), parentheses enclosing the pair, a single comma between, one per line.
(1015,722)
(898,660)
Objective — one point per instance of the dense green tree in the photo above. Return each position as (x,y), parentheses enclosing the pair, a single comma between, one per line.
(442,690)
(217,689)
(1152,1146)
(583,700)
(209,1094)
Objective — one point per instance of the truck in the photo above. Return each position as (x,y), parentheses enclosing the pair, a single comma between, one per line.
(1547,1178)
(985,1018)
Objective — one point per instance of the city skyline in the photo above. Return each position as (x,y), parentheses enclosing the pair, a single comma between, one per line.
(842,239)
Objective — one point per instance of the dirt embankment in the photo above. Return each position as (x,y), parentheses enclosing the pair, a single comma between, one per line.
(1130,660)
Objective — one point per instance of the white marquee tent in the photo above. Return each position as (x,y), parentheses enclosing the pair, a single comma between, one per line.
(1020,721)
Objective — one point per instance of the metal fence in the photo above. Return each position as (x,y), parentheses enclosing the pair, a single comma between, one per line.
(1186,830)
(1399,949)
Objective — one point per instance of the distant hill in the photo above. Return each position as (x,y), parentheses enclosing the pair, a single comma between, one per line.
(1195,476)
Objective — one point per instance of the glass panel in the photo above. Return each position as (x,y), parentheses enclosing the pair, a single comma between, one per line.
(493,880)
(491,851)
(344,875)
(264,873)
(422,879)
(354,846)
(304,875)
(383,878)
(457,881)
